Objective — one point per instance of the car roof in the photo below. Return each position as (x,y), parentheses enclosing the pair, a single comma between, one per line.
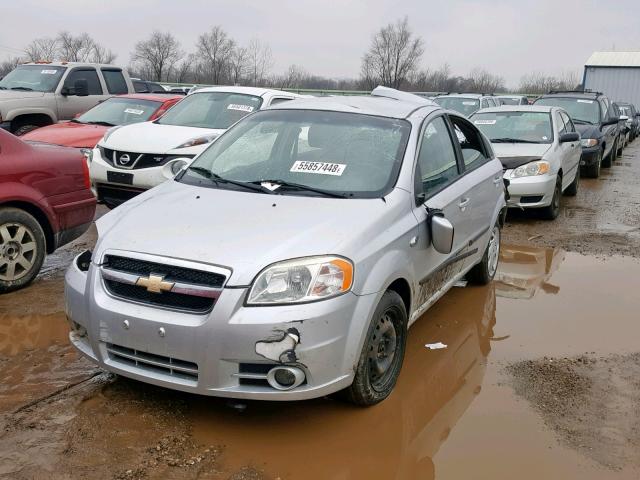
(520,108)
(150,96)
(73,64)
(510,96)
(466,95)
(258,92)
(572,94)
(377,105)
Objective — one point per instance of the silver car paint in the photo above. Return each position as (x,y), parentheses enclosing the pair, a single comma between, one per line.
(387,240)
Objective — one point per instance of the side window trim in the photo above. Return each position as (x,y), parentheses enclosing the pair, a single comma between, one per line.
(417,180)
(487,152)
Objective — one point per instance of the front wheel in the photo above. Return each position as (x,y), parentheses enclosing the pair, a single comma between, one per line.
(483,272)
(22,248)
(593,170)
(553,210)
(382,353)
(572,189)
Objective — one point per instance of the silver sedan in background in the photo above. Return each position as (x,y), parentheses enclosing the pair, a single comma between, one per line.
(539,148)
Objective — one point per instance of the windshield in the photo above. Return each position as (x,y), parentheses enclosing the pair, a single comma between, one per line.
(211,110)
(624,110)
(463,105)
(120,111)
(515,127)
(37,78)
(579,109)
(349,154)
(509,100)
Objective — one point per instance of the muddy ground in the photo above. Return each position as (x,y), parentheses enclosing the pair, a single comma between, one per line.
(540,378)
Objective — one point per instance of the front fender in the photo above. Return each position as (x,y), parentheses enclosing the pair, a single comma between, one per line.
(14,112)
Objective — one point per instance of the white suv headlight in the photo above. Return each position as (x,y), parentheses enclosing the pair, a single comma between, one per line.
(302,280)
(198,141)
(530,169)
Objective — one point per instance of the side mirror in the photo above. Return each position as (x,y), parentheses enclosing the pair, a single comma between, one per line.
(610,121)
(624,117)
(638,114)
(441,234)
(569,137)
(81,87)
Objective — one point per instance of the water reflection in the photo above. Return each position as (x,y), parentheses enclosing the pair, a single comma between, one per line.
(396,439)
(30,332)
(522,271)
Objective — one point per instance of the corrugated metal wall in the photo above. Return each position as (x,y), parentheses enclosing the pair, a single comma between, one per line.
(619,84)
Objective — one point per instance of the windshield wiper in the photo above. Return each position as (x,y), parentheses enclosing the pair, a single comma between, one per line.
(511,140)
(218,179)
(106,124)
(26,89)
(298,186)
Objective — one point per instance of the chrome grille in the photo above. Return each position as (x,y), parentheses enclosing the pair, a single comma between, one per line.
(156,363)
(135,160)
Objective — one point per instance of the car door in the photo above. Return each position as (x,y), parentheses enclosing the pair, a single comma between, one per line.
(70,104)
(483,182)
(437,191)
(574,151)
(610,132)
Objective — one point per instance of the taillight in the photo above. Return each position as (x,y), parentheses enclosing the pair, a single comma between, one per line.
(85,172)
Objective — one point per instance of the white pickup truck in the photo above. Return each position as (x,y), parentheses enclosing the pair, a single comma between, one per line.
(42,93)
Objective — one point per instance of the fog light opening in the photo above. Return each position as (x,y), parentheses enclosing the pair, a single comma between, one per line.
(285,378)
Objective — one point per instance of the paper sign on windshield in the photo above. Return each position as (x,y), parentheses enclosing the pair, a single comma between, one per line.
(49,72)
(240,108)
(585,101)
(322,168)
(468,103)
(485,122)
(133,111)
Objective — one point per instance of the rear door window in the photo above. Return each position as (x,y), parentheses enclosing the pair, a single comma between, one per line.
(116,84)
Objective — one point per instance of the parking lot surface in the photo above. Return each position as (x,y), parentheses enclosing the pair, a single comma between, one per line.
(539,378)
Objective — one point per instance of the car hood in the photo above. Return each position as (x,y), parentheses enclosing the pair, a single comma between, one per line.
(150,137)
(18,94)
(588,131)
(69,134)
(245,231)
(512,155)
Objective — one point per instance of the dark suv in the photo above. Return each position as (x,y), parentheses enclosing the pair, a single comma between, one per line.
(596,120)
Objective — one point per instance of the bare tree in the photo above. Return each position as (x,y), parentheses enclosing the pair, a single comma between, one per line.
(101,54)
(260,61)
(393,56)
(482,81)
(74,48)
(216,49)
(238,65)
(538,82)
(42,49)
(8,65)
(183,71)
(157,54)
(294,77)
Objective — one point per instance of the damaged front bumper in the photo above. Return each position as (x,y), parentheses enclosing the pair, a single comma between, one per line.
(228,352)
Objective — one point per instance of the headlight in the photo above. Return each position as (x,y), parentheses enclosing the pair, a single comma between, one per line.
(88,154)
(589,142)
(302,280)
(530,169)
(198,141)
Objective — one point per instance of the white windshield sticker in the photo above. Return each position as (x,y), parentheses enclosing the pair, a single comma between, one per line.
(585,101)
(134,111)
(484,122)
(240,108)
(468,103)
(544,137)
(49,72)
(322,168)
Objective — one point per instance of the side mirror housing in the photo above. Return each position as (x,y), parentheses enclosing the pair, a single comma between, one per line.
(441,234)
(81,87)
(624,117)
(569,137)
(610,121)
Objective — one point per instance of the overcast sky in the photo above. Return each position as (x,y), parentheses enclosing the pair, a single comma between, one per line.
(328,37)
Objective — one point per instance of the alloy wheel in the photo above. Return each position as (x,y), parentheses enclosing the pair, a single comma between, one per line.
(18,251)
(494,251)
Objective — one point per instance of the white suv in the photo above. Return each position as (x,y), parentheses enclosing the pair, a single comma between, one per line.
(134,158)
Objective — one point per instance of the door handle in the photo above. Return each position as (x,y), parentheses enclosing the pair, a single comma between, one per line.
(463,203)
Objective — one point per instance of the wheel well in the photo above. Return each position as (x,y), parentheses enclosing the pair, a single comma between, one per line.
(40,216)
(402,288)
(39,119)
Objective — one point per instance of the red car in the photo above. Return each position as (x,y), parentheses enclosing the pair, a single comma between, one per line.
(45,202)
(87,129)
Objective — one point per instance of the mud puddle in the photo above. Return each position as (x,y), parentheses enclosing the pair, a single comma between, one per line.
(476,409)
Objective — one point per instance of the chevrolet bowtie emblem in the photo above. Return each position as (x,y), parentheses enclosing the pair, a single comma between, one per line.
(154,283)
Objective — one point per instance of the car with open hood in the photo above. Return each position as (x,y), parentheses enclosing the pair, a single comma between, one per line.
(539,148)
(86,129)
(596,120)
(132,158)
(289,259)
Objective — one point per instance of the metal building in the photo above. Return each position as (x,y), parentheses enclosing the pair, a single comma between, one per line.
(616,74)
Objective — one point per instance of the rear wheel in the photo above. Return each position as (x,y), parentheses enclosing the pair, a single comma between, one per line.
(22,248)
(483,272)
(572,190)
(382,353)
(593,170)
(553,210)
(608,160)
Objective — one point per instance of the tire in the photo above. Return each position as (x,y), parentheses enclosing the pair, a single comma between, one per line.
(608,160)
(24,129)
(572,189)
(371,385)
(553,210)
(620,148)
(593,171)
(483,272)
(22,249)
